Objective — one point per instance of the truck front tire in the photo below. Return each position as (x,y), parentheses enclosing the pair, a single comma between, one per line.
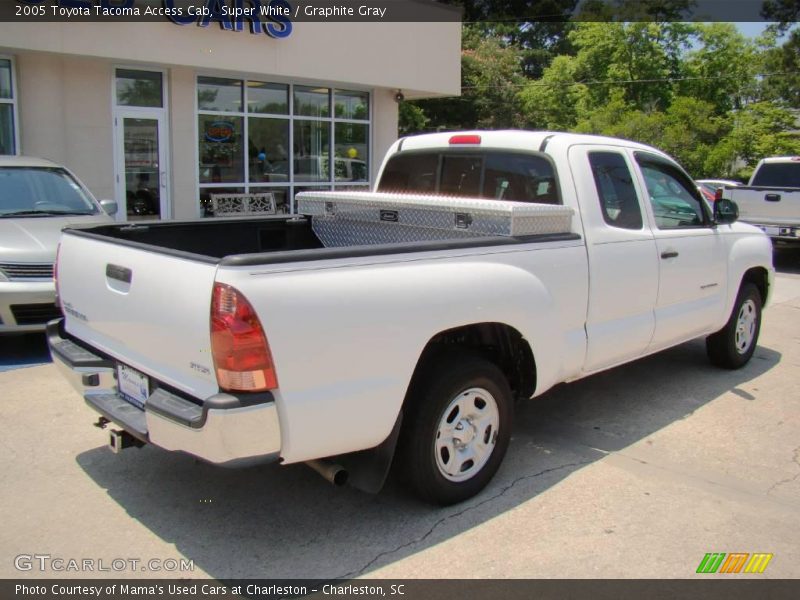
(458,429)
(733,345)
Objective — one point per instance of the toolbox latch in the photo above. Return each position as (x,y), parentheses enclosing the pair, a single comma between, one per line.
(463,220)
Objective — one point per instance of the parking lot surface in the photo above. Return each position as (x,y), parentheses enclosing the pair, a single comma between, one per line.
(637,472)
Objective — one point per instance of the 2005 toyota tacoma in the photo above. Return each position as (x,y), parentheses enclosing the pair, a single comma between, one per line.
(400,325)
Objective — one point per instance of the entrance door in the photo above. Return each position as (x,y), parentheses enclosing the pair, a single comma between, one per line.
(141,165)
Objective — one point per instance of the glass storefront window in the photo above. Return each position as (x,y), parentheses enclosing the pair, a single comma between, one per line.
(267,149)
(139,88)
(221,151)
(311,102)
(6,90)
(351,152)
(7,145)
(8,133)
(269,98)
(311,150)
(252,140)
(351,105)
(217,94)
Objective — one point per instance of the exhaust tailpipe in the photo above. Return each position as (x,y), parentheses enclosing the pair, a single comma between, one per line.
(332,472)
(118,440)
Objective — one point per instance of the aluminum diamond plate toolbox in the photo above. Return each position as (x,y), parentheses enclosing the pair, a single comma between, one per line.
(358,218)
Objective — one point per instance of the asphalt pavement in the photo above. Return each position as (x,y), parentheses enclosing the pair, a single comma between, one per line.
(637,472)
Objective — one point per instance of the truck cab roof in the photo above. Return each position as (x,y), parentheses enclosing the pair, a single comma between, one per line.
(508,139)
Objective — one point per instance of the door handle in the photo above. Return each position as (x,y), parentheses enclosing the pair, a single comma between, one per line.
(162,179)
(669,254)
(772,197)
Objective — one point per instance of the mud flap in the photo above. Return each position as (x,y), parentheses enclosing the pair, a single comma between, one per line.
(369,468)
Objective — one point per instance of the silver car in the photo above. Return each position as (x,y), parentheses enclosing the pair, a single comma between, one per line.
(37,199)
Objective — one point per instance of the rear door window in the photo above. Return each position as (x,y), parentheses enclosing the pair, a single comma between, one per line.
(522,177)
(618,201)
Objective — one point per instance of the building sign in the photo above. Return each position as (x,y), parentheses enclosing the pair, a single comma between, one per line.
(270,17)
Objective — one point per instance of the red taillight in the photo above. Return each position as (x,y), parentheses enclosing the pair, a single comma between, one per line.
(465,139)
(241,354)
(55,275)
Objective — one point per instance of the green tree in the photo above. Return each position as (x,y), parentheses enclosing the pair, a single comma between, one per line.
(784,63)
(557,100)
(759,130)
(632,63)
(722,69)
(412,119)
(490,78)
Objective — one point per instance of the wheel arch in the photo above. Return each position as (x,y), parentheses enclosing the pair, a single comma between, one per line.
(758,276)
(499,343)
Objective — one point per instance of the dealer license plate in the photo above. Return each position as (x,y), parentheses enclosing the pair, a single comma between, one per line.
(133,385)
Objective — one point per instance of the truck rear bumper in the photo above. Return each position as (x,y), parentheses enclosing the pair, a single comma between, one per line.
(222,429)
(779,231)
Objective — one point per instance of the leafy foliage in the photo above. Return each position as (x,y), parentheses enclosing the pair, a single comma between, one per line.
(714,99)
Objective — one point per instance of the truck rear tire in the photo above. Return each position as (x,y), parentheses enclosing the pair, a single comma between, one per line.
(733,345)
(458,429)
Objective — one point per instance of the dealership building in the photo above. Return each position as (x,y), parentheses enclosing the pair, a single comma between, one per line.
(179,121)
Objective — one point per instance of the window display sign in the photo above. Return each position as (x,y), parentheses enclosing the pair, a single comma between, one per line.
(220,131)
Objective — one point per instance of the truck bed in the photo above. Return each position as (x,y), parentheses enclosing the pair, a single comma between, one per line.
(212,240)
(334,224)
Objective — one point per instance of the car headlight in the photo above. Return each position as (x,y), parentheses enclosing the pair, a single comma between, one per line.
(3,277)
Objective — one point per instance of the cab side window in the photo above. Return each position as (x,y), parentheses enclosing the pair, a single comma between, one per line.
(673,196)
(618,201)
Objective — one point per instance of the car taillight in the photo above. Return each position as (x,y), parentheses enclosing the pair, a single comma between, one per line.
(242,358)
(55,275)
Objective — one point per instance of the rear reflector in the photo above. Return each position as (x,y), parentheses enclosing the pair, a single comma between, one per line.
(242,358)
(465,139)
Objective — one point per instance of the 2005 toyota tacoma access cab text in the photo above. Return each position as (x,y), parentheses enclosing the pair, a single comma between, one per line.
(400,325)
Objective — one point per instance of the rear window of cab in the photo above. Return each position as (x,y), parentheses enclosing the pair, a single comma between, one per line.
(517,176)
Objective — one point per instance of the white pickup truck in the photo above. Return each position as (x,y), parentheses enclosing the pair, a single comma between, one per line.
(401,325)
(771,199)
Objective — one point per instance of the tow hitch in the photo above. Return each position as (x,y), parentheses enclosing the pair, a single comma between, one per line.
(118,440)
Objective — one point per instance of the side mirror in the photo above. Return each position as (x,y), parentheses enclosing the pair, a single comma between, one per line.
(109,206)
(725,211)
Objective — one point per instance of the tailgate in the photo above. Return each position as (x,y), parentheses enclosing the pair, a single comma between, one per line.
(768,205)
(148,310)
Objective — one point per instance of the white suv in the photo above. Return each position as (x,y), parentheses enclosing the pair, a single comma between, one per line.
(37,199)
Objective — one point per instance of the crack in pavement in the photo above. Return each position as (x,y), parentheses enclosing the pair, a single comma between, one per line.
(459,513)
(777,484)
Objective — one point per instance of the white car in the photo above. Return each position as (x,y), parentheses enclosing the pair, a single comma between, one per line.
(38,199)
